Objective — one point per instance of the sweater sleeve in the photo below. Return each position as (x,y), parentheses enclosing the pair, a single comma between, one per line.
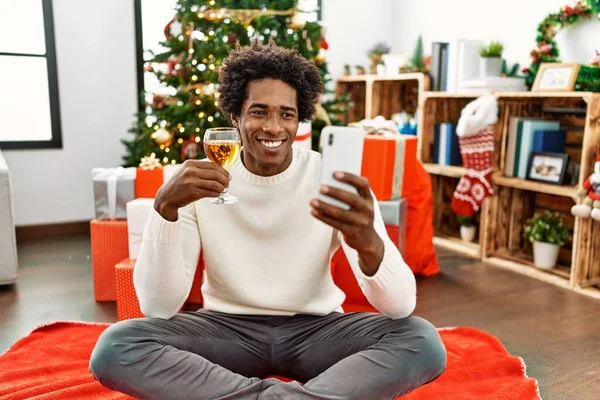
(392,290)
(166,265)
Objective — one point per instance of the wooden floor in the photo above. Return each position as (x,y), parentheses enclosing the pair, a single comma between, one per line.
(555,331)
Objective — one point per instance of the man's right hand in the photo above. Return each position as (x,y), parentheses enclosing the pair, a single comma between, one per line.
(195,180)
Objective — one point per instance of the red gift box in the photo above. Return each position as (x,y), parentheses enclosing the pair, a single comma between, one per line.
(109,246)
(387,161)
(147,182)
(128,305)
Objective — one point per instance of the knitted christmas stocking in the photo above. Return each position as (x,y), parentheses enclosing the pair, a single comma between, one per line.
(475,132)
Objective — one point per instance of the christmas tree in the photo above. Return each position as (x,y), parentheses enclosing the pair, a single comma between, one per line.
(198,39)
(417,61)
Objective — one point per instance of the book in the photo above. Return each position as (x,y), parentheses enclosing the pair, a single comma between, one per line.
(446,149)
(439,66)
(525,145)
(511,146)
(546,141)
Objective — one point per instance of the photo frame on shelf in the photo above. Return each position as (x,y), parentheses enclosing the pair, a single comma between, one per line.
(547,167)
(554,77)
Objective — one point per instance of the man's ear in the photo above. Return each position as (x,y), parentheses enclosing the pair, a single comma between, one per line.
(235,120)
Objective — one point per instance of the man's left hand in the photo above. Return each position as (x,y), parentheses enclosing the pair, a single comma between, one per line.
(355,224)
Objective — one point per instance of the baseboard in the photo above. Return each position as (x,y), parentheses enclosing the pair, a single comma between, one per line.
(37,232)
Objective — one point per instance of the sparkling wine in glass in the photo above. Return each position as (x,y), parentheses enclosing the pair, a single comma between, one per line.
(222,146)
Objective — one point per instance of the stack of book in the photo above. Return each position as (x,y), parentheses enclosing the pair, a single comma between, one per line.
(527,135)
(446,150)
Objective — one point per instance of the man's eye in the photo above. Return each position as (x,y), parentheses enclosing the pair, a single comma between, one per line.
(288,115)
(259,112)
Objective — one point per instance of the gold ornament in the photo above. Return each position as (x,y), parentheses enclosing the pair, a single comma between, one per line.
(161,136)
(320,58)
(298,22)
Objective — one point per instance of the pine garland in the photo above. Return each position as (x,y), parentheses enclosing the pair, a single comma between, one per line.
(547,48)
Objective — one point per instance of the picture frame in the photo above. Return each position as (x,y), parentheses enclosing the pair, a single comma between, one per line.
(556,77)
(547,167)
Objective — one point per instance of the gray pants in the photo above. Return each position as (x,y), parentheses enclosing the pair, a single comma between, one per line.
(212,355)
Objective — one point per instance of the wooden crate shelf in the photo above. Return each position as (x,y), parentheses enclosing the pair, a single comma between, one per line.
(557,190)
(444,170)
(502,218)
(373,95)
(456,244)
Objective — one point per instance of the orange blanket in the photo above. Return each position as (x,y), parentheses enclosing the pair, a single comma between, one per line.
(52,364)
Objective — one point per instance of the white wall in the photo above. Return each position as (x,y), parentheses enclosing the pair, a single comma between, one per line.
(354,26)
(95,45)
(514,22)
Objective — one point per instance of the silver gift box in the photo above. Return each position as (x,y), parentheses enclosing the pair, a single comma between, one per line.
(393,212)
(113,189)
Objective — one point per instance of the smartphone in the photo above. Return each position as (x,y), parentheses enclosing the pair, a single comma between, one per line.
(342,150)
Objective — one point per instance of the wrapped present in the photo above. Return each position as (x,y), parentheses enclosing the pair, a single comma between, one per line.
(151,175)
(393,213)
(303,137)
(113,188)
(195,296)
(128,305)
(109,246)
(387,160)
(137,215)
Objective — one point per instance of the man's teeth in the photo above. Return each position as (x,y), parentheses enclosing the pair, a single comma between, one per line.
(270,144)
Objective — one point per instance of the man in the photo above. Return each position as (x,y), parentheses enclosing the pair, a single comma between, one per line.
(270,304)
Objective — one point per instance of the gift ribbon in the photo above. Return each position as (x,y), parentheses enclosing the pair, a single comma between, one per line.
(112,176)
(303,137)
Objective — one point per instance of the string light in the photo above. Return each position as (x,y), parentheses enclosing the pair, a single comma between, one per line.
(173,162)
(179,125)
(210,119)
(217,95)
(182,129)
(194,62)
(198,137)
(202,67)
(210,56)
(198,91)
(212,2)
(162,146)
(166,160)
(155,127)
(191,51)
(167,150)
(289,31)
(180,140)
(194,78)
(197,129)
(201,114)
(211,33)
(198,102)
(211,67)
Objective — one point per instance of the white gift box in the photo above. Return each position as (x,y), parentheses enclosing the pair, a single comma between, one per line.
(169,171)
(303,136)
(137,215)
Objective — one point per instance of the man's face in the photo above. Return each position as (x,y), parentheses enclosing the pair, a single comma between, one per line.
(268,123)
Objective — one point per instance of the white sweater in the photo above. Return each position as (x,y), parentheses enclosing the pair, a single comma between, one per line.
(264,255)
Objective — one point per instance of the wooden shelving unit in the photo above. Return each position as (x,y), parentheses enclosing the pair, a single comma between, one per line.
(373,95)
(500,223)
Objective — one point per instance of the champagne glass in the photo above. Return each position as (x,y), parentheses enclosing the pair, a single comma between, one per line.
(222,146)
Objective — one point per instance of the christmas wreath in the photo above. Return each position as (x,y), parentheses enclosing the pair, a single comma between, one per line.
(547,49)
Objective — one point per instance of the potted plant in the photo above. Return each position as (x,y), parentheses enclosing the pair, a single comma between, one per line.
(375,55)
(490,61)
(467,228)
(548,234)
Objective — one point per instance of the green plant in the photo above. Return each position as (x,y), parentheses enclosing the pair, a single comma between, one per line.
(379,49)
(465,221)
(546,227)
(509,72)
(494,49)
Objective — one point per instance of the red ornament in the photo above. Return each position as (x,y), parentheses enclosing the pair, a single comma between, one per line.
(324,45)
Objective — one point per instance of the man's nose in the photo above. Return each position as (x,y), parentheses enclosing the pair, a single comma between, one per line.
(273,125)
